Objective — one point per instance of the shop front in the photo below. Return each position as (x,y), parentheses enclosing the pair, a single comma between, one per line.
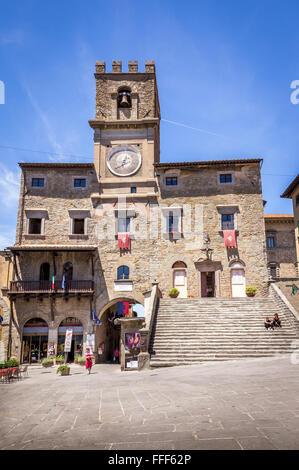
(70,323)
(34,341)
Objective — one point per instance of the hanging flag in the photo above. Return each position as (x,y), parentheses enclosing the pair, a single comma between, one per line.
(230,238)
(294,289)
(95,318)
(123,241)
(53,281)
(63,281)
(123,308)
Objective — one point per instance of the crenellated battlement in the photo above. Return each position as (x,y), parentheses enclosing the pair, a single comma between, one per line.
(132,67)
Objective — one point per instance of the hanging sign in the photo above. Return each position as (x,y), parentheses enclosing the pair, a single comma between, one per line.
(68,341)
(90,341)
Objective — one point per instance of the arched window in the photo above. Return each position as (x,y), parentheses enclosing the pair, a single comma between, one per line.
(179,264)
(123,272)
(44,274)
(124,98)
(68,271)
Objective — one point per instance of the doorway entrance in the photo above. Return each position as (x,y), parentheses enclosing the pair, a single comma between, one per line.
(34,341)
(71,323)
(238,281)
(179,278)
(208,284)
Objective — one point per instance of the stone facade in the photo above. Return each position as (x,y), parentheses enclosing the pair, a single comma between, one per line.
(198,201)
(281,246)
(292,192)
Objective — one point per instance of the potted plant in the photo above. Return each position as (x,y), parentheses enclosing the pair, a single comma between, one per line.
(48,362)
(59,359)
(11,363)
(251,291)
(173,293)
(63,370)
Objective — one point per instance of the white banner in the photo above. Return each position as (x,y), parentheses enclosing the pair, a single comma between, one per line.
(90,342)
(68,340)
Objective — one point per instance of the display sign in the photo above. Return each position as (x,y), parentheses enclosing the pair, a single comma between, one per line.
(90,342)
(132,343)
(51,349)
(131,361)
(68,340)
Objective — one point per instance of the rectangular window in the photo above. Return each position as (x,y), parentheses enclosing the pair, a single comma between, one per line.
(35,226)
(171,181)
(38,182)
(78,226)
(80,183)
(273,271)
(270,242)
(173,223)
(133,190)
(226,178)
(227,221)
(124,224)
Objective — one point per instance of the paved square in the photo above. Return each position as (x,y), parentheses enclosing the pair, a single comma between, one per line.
(245,404)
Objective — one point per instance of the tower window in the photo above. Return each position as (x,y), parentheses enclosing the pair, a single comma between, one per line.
(38,182)
(171,181)
(124,224)
(133,189)
(35,226)
(123,272)
(270,242)
(226,178)
(124,98)
(78,227)
(227,221)
(79,183)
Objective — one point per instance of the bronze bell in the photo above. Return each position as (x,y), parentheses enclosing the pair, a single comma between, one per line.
(124,103)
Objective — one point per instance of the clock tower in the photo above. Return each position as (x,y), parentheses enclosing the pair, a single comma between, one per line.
(126,130)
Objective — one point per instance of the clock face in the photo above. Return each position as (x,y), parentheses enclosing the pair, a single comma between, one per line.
(124,161)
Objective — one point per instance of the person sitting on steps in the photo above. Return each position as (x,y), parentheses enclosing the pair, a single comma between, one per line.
(276,321)
(268,324)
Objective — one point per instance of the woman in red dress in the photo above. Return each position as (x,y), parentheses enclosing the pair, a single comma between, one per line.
(88,363)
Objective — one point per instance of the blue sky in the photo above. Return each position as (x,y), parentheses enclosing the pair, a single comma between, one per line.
(222,66)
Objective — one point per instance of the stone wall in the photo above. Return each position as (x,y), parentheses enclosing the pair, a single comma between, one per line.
(283,255)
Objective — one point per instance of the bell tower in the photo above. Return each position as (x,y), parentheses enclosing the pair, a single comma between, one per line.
(126,128)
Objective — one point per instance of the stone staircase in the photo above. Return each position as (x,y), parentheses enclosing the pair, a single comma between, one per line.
(188,331)
(286,289)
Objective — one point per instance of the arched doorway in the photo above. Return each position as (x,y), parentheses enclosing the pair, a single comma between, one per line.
(34,341)
(238,279)
(179,276)
(71,323)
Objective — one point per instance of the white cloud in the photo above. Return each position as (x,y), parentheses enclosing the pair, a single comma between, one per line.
(9,188)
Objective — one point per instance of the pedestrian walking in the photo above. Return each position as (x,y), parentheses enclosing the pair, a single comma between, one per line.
(116,356)
(88,363)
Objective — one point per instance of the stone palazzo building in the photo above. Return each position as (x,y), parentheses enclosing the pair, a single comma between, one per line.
(66,264)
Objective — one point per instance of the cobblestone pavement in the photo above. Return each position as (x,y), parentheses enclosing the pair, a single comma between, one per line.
(246,404)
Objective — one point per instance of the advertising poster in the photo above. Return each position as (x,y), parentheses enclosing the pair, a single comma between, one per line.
(68,340)
(132,343)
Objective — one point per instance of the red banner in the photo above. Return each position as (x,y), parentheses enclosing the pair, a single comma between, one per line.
(123,241)
(230,238)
